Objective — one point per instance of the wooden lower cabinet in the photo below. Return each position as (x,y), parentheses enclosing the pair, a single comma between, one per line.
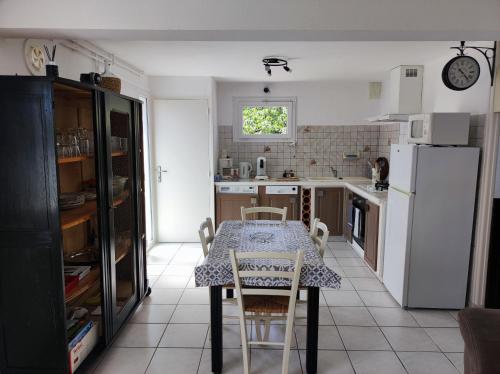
(228,206)
(329,208)
(371,234)
(291,202)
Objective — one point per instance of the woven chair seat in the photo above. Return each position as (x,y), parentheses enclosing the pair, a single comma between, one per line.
(266,304)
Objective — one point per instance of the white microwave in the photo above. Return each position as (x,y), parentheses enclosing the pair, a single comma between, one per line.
(439,128)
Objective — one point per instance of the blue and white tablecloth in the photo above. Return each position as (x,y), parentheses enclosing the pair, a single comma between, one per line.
(267,236)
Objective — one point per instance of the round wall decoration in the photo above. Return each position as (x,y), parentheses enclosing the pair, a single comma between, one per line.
(34,56)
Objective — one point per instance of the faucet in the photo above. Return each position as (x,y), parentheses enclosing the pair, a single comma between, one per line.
(334,172)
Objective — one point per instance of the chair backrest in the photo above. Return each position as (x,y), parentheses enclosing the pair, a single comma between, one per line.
(293,276)
(263,209)
(320,241)
(313,231)
(206,240)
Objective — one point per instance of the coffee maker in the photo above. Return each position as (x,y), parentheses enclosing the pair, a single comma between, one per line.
(261,169)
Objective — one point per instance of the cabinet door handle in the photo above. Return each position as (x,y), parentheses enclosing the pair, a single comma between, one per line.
(367,207)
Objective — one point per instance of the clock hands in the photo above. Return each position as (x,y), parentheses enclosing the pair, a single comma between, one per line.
(465,76)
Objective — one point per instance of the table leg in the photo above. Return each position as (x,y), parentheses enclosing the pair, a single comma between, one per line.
(312,329)
(216,327)
(229,293)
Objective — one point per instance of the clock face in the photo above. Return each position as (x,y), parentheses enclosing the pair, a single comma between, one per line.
(461,73)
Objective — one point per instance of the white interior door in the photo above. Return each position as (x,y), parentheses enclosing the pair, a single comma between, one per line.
(182,146)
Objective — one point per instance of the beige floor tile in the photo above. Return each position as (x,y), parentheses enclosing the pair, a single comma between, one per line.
(342,298)
(328,338)
(164,296)
(352,316)
(392,317)
(457,359)
(179,270)
(232,361)
(325,317)
(125,361)
(175,361)
(363,338)
(357,272)
(350,261)
(268,361)
(155,269)
(426,363)
(412,339)
(171,282)
(383,299)
(330,362)
(367,284)
(376,362)
(195,296)
(433,318)
(191,314)
(153,314)
(184,336)
(447,339)
(140,335)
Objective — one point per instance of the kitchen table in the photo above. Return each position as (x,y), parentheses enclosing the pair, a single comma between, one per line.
(264,235)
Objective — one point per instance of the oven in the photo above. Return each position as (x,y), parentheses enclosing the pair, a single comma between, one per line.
(358,220)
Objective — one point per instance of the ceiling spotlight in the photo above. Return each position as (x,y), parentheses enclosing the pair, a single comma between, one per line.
(275,61)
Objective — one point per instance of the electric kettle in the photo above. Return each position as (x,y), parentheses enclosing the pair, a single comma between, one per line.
(245,169)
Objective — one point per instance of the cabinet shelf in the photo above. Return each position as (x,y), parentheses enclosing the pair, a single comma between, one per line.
(83,285)
(69,160)
(121,253)
(74,217)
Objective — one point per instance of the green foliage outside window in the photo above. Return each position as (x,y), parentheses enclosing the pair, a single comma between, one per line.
(265,120)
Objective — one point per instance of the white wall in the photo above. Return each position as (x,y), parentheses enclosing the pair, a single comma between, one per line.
(318,103)
(70,63)
(438,98)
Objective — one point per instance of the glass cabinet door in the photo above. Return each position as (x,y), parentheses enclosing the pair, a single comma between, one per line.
(122,214)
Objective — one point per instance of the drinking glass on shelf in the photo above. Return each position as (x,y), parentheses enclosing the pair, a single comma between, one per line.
(83,141)
(59,143)
(124,145)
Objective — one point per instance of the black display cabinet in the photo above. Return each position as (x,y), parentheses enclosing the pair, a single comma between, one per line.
(72,235)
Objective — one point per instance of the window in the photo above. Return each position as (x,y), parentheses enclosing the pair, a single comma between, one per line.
(264,119)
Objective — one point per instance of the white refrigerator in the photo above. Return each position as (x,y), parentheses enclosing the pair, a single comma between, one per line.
(430,214)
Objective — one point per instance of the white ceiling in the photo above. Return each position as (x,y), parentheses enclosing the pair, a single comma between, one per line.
(241,61)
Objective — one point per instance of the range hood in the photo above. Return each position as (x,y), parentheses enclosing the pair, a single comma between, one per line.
(405,94)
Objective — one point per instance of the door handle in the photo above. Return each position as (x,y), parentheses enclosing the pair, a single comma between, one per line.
(160,173)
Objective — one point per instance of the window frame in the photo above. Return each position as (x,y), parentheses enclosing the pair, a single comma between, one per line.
(239,102)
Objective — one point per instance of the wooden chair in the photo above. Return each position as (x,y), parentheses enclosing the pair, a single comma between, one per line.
(263,209)
(320,241)
(206,240)
(262,303)
(313,231)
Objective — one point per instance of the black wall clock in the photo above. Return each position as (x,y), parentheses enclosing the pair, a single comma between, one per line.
(461,72)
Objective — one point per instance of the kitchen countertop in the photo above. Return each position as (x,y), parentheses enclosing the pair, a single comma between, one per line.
(355,184)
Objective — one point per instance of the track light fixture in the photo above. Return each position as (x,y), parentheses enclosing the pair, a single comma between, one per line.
(274,61)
